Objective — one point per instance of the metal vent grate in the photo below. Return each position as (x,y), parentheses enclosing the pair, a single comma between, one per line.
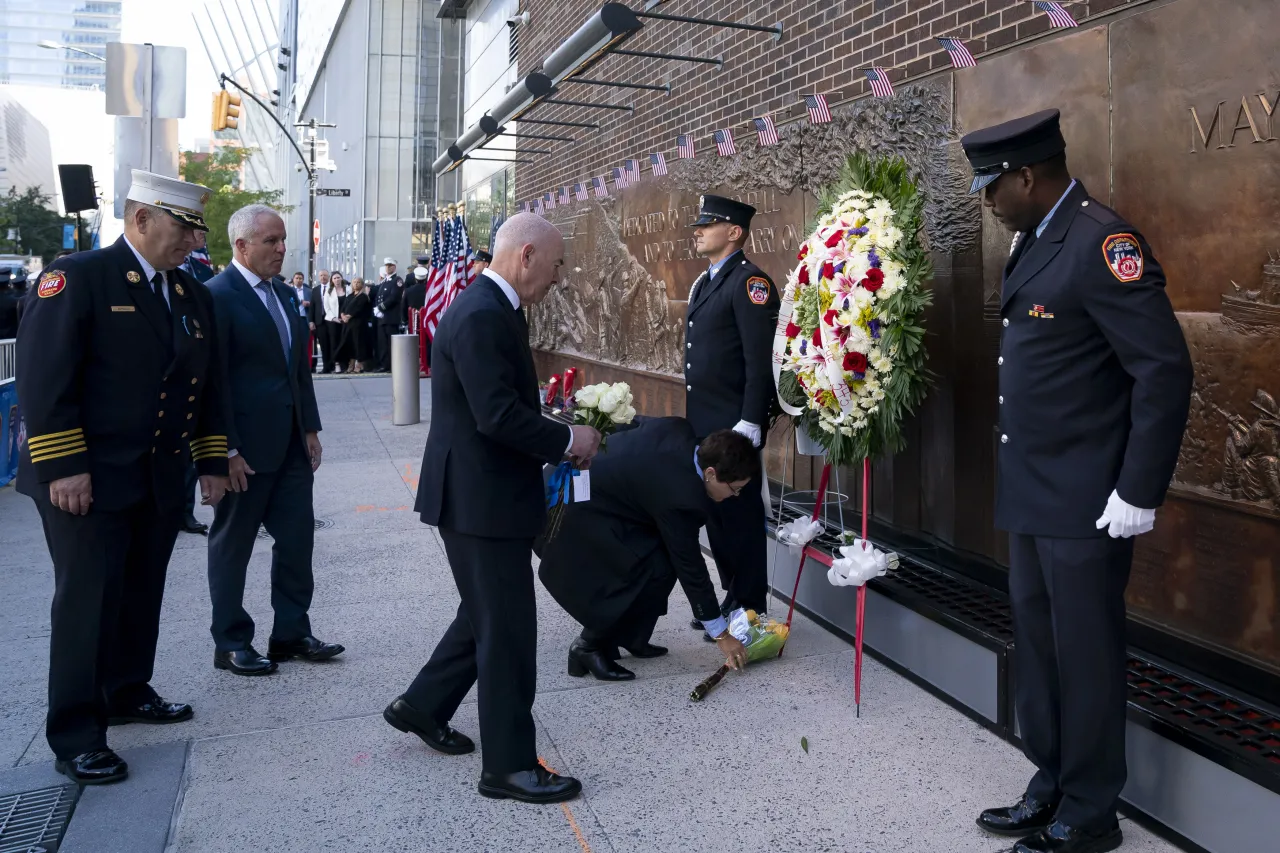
(321,524)
(1242,729)
(33,821)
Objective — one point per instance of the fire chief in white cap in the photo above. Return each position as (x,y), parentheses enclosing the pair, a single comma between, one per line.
(120,390)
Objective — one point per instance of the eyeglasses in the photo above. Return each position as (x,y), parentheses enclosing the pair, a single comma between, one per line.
(736,491)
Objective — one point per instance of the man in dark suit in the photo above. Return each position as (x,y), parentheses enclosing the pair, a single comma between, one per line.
(614,561)
(8,308)
(728,373)
(481,485)
(389,300)
(1095,386)
(315,314)
(274,450)
(119,382)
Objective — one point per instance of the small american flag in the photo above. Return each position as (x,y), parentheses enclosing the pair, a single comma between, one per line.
(621,178)
(819,112)
(879,80)
(564,196)
(528,207)
(601,186)
(1058,15)
(960,55)
(766,130)
(724,142)
(632,168)
(684,144)
(580,191)
(658,164)
(549,200)
(537,206)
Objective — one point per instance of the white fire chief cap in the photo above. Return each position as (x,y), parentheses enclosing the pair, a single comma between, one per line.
(181,200)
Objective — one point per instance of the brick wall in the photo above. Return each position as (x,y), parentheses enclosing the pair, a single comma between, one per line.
(825,45)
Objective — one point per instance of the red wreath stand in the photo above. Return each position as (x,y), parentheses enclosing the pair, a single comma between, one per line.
(825,559)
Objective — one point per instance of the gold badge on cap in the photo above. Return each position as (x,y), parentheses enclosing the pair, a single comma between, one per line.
(177,288)
(133,277)
(204,199)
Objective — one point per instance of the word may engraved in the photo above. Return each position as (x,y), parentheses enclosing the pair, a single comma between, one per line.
(1245,120)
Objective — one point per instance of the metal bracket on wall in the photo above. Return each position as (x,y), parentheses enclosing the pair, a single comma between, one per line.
(775,30)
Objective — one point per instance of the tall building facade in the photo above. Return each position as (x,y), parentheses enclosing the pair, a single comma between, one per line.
(371,68)
(84,24)
(25,158)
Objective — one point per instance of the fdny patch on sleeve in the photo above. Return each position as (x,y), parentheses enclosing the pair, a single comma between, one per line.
(1124,256)
(51,284)
(758,290)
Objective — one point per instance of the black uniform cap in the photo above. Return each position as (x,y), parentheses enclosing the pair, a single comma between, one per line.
(482,255)
(1008,147)
(716,208)
(423,260)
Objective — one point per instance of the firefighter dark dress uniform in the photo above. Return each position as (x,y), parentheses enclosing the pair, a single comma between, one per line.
(728,375)
(116,385)
(1095,383)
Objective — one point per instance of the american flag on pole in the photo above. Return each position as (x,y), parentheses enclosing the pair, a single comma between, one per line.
(433,304)
(658,164)
(580,191)
(1058,15)
(564,196)
(549,200)
(960,55)
(537,206)
(684,145)
(528,207)
(819,112)
(461,263)
(724,142)
(879,80)
(601,185)
(621,178)
(633,170)
(766,130)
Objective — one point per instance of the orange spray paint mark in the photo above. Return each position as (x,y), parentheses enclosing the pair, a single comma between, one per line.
(568,814)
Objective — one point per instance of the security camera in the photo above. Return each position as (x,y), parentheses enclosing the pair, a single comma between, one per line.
(519,20)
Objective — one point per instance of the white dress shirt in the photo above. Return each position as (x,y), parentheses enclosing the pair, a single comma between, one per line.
(148,271)
(514,298)
(265,293)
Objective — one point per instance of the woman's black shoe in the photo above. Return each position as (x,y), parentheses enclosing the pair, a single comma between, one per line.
(584,659)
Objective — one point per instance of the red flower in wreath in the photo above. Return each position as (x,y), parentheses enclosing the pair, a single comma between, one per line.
(804,251)
(830,317)
(876,274)
(834,239)
(803,278)
(828,270)
(817,337)
(855,362)
(793,331)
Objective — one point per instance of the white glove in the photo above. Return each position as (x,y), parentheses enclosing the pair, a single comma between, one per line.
(750,430)
(377,312)
(1124,520)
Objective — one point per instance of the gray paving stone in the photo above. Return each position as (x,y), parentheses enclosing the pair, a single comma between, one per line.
(133,816)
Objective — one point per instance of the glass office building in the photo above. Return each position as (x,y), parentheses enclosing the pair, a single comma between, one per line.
(86,24)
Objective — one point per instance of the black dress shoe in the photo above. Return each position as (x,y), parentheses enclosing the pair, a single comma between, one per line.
(153,710)
(191,525)
(538,786)
(584,659)
(243,662)
(99,767)
(1057,837)
(696,625)
(307,648)
(403,716)
(1022,818)
(647,650)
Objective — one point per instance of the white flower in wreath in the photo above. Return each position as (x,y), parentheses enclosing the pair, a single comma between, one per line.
(881,210)
(858,340)
(892,237)
(882,364)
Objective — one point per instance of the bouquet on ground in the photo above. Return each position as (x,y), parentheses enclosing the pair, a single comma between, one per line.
(763,636)
(604,406)
(849,345)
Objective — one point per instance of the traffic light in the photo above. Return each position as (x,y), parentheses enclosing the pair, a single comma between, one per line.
(226,107)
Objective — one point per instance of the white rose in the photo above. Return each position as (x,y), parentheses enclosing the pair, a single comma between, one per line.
(587,396)
(610,400)
(623,415)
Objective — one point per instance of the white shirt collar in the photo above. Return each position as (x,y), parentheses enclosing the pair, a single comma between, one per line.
(249,275)
(507,289)
(148,271)
(1045,224)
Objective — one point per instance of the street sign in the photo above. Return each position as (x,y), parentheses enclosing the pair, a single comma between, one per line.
(322,191)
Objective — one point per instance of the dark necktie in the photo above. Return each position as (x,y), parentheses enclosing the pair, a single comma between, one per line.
(277,316)
(157,288)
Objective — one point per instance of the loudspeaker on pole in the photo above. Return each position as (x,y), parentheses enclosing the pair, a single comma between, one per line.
(78,192)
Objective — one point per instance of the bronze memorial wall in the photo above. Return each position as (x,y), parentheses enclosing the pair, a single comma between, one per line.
(1170,114)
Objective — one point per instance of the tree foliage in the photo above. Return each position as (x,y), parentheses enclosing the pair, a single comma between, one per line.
(221,172)
(37,223)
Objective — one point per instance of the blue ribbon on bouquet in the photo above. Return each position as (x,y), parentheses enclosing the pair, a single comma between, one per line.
(558,486)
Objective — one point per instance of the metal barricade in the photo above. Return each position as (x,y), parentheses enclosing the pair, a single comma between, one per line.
(8,360)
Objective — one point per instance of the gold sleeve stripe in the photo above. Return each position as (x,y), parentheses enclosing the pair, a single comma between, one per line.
(60,444)
(196,456)
(209,439)
(210,448)
(49,437)
(47,455)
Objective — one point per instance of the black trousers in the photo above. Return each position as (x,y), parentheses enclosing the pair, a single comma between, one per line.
(493,643)
(385,331)
(330,335)
(736,530)
(1069,665)
(109,571)
(281,501)
(193,480)
(636,624)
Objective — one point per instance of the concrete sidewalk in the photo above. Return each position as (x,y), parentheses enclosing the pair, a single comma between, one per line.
(302,761)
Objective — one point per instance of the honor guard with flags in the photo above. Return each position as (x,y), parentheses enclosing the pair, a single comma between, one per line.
(120,391)
(1095,386)
(728,375)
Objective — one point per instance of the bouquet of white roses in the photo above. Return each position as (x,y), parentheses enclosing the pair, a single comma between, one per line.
(603,406)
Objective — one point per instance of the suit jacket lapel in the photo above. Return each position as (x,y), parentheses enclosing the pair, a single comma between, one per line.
(250,298)
(521,330)
(141,293)
(1029,262)
(287,298)
(708,287)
